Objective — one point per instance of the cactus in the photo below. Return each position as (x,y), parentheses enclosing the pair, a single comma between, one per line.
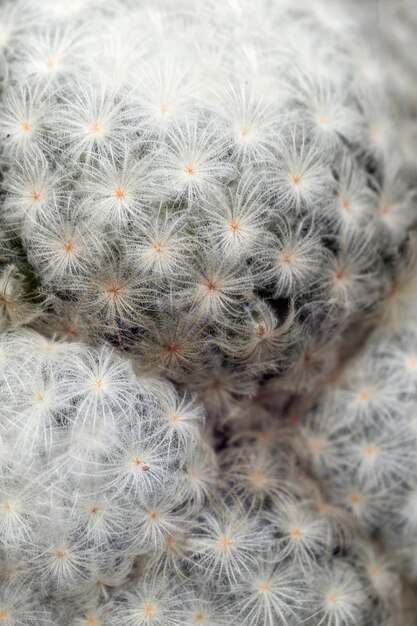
(208,350)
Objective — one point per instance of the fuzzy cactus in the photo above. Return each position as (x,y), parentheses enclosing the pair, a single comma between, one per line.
(208,215)
(115,509)
(95,466)
(208,347)
(360,438)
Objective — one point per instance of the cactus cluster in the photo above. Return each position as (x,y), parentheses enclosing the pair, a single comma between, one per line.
(208,347)
(115,508)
